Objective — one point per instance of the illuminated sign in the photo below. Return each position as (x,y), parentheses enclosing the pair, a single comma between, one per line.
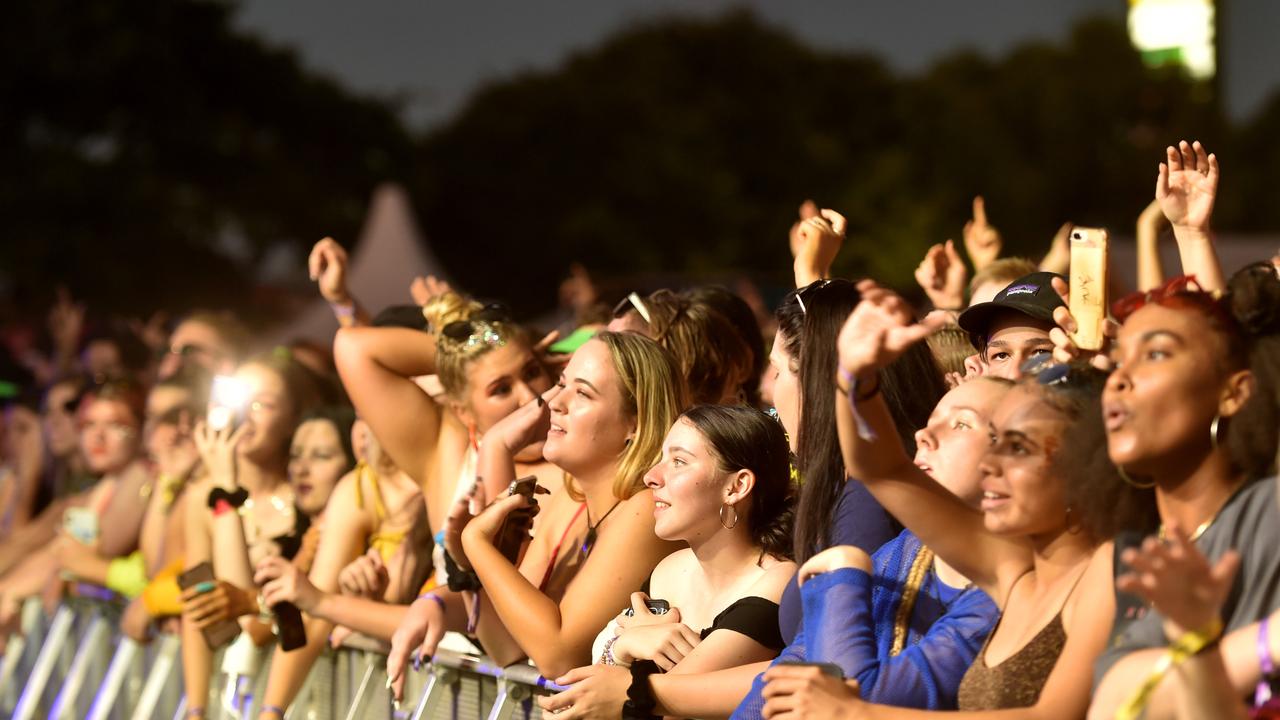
(1175,32)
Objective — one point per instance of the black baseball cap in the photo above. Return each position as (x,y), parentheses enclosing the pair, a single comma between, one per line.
(1032,295)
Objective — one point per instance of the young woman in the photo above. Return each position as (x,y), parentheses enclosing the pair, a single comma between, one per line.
(1025,549)
(320,455)
(245,494)
(376,508)
(1190,415)
(110,419)
(713,355)
(832,509)
(603,425)
(902,622)
(724,487)
(487,368)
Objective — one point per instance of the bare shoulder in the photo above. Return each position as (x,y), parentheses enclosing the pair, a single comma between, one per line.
(777,573)
(1092,601)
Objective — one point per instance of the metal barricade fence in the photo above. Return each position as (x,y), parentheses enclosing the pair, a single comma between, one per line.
(76,664)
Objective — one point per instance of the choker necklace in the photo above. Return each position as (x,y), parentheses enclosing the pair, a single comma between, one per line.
(590,541)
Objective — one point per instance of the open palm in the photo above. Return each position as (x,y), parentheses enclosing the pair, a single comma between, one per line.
(1188,185)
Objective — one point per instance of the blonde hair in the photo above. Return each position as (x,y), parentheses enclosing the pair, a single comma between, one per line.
(951,346)
(1002,271)
(453,357)
(654,393)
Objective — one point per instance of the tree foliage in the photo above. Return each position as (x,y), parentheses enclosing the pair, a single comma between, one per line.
(140,137)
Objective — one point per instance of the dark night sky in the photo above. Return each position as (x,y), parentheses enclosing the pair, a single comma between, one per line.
(434,53)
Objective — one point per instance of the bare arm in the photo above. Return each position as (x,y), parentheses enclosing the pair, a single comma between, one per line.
(343,539)
(879,330)
(1150,267)
(558,636)
(120,536)
(376,366)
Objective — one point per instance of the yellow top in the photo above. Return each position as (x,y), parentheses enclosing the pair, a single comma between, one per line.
(384,540)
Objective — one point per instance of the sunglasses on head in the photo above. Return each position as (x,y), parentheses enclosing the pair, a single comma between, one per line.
(478,328)
(807,289)
(1177,292)
(632,301)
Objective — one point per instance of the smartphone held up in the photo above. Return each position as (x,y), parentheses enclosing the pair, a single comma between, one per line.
(1087,300)
(228,399)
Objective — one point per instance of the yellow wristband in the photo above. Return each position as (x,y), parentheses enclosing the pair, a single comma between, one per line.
(1179,650)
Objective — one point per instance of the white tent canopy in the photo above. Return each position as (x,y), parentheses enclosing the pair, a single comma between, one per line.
(388,255)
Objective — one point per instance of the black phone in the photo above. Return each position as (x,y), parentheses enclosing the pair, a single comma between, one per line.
(657,607)
(218,634)
(515,529)
(293,634)
(831,669)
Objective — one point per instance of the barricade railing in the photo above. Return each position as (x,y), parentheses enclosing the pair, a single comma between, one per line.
(76,664)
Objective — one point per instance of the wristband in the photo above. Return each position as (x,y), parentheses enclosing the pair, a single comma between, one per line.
(235,498)
(640,701)
(864,429)
(1266,665)
(846,377)
(221,506)
(273,709)
(1189,644)
(459,580)
(195,712)
(439,600)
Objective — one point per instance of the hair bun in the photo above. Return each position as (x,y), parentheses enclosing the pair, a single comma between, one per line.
(1254,298)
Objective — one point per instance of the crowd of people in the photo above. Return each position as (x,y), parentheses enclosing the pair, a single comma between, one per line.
(850,508)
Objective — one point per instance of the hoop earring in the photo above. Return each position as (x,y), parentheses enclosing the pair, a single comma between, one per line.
(1073,528)
(1215,431)
(1134,483)
(732,525)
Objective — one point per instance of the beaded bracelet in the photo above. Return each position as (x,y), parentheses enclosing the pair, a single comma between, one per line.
(606,655)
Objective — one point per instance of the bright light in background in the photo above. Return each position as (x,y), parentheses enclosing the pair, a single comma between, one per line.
(1179,32)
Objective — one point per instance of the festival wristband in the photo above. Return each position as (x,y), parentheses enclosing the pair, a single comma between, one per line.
(1184,647)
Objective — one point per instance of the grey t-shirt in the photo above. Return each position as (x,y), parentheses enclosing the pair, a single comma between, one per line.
(1250,523)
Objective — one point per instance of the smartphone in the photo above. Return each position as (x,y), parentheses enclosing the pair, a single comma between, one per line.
(81,524)
(657,607)
(293,634)
(515,529)
(227,401)
(828,668)
(219,634)
(1088,298)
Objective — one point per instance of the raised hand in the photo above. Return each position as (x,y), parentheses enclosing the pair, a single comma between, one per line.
(218,452)
(1058,259)
(819,240)
(808,209)
(422,289)
(880,329)
(981,240)
(1064,347)
(1175,577)
(942,275)
(327,266)
(1187,186)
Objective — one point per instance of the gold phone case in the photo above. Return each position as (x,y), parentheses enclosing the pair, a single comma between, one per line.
(1088,297)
